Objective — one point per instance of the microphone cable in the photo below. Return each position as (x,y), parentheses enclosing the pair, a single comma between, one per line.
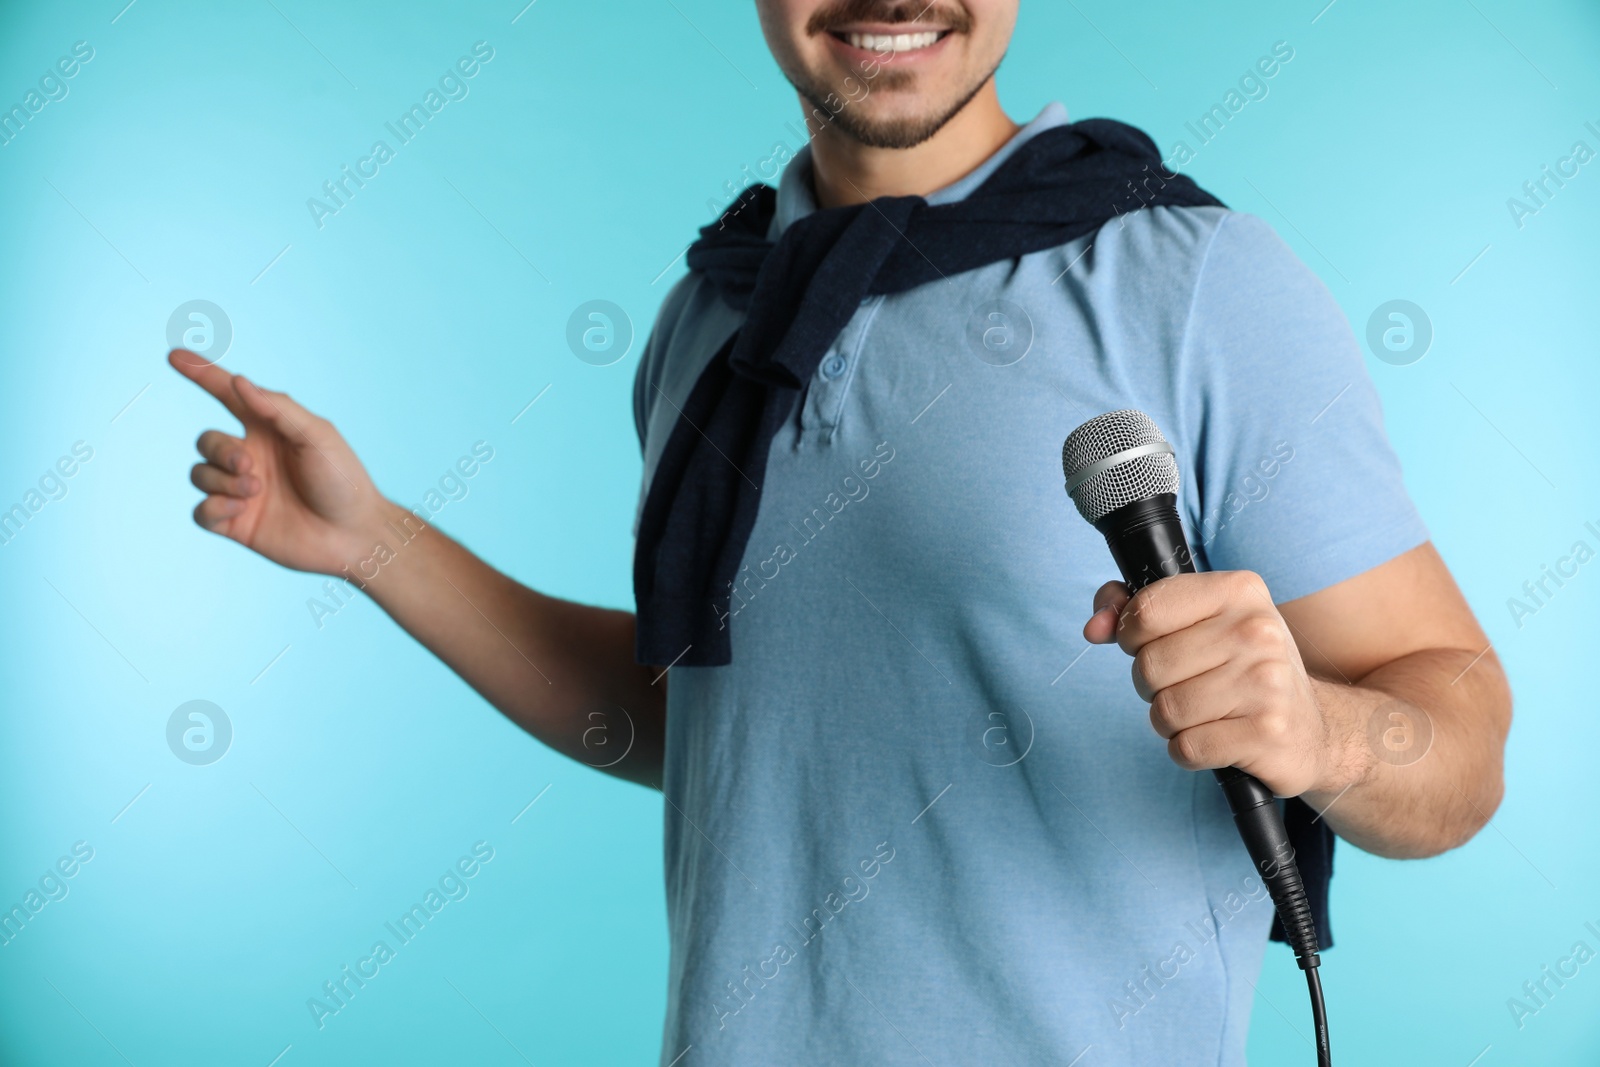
(1255,813)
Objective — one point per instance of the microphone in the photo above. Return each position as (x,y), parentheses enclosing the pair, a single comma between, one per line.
(1123,478)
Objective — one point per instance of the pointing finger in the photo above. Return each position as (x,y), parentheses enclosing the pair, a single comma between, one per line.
(208,376)
(277,410)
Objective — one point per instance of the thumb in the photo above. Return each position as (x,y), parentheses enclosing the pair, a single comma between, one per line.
(1109,600)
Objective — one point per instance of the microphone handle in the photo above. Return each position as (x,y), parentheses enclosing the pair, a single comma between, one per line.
(1146,539)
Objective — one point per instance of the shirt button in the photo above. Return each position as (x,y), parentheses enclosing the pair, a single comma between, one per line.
(833,366)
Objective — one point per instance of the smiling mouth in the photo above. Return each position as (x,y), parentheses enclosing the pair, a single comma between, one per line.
(890,43)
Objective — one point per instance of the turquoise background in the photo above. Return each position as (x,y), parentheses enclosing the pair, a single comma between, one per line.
(429,312)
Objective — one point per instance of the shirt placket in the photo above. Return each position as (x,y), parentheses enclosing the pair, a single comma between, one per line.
(830,384)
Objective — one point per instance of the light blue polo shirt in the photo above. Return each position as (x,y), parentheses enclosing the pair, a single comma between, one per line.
(918,820)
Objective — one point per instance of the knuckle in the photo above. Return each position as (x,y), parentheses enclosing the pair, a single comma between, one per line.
(1128,637)
(1260,631)
(1132,634)
(1249,582)
(1272,675)
(1140,605)
(1140,684)
(1110,593)
(1145,663)
(1273,726)
(1164,715)
(1187,750)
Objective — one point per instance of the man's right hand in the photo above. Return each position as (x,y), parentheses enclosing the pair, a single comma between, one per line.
(290,488)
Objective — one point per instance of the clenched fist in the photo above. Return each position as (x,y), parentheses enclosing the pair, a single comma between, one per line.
(1223,676)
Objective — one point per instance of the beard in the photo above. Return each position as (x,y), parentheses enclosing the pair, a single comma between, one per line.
(905,131)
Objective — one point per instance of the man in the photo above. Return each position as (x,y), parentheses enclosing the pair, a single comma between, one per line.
(910,817)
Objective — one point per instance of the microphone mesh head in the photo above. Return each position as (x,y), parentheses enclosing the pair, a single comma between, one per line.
(1134,479)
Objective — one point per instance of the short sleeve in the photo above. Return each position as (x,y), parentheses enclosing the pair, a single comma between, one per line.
(643,376)
(645,379)
(1295,477)
(690,327)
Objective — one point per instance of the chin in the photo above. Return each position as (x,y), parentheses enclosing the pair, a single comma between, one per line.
(896,111)
(887,74)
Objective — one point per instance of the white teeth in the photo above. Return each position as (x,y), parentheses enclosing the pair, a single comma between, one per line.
(900,42)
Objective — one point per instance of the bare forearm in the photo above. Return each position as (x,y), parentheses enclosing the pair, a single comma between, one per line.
(562,671)
(1418,769)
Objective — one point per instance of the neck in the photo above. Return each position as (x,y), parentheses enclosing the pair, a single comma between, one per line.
(845,171)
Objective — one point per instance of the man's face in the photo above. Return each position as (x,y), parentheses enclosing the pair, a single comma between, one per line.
(891,73)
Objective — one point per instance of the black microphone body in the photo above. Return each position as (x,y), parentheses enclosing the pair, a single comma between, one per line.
(1147,541)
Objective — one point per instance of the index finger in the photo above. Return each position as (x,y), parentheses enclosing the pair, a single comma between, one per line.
(210,377)
(1178,602)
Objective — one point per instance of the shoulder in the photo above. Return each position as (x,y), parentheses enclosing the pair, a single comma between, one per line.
(1222,272)
(1189,241)
(1159,255)
(678,307)
(691,325)
(1148,271)
(692,318)
(1246,252)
